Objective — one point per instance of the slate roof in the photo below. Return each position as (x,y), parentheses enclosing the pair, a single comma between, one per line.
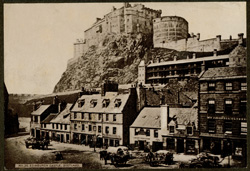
(112,96)
(224,73)
(49,118)
(64,116)
(40,110)
(150,117)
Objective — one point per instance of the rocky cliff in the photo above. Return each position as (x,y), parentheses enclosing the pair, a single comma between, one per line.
(116,58)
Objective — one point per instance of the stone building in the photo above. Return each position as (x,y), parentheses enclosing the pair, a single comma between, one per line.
(168,29)
(103,118)
(222,111)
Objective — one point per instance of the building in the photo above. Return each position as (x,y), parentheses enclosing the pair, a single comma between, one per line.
(38,115)
(174,129)
(168,29)
(161,72)
(103,119)
(222,111)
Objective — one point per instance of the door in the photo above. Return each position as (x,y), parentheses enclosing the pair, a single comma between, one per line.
(47,136)
(38,134)
(141,145)
(180,145)
(62,138)
(83,139)
(157,146)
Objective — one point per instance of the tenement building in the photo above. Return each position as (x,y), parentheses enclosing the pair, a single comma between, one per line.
(222,111)
(103,119)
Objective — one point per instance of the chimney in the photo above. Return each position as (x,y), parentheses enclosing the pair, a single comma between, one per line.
(158,60)
(215,52)
(175,58)
(218,37)
(194,55)
(240,35)
(230,37)
(109,86)
(59,107)
(55,100)
(203,66)
(164,118)
(198,36)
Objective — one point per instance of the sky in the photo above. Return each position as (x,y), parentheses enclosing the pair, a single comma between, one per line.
(38,38)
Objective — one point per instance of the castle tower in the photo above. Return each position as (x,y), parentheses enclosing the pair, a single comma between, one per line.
(142,73)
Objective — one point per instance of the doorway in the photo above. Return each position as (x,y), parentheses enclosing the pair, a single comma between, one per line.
(180,145)
(141,145)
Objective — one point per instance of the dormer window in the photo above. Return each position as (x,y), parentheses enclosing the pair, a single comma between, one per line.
(93,103)
(171,129)
(105,103)
(118,102)
(81,103)
(189,130)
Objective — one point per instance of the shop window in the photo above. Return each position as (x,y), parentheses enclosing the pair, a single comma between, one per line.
(147,132)
(243,129)
(228,127)
(75,126)
(243,86)
(189,130)
(90,116)
(107,129)
(211,106)
(116,143)
(170,143)
(137,131)
(211,86)
(83,127)
(211,126)
(171,129)
(229,86)
(114,117)
(99,129)
(99,116)
(190,146)
(65,127)
(156,133)
(90,128)
(243,106)
(111,143)
(228,106)
(114,130)
(107,117)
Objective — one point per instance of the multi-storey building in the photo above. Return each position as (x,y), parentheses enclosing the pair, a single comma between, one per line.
(222,111)
(103,118)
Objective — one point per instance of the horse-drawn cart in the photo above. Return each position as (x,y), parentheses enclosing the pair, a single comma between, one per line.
(159,157)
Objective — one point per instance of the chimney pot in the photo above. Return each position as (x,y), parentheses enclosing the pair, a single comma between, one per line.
(218,37)
(194,55)
(215,52)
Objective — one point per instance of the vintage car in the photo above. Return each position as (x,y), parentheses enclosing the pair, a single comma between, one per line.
(159,157)
(203,160)
(117,155)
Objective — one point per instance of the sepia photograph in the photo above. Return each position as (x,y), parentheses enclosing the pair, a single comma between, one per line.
(133,85)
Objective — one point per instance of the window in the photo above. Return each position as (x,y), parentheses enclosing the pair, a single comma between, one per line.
(228,106)
(90,116)
(243,129)
(105,103)
(228,126)
(137,131)
(99,129)
(75,126)
(170,143)
(189,130)
(99,116)
(114,117)
(53,126)
(211,86)
(90,128)
(171,129)
(243,86)
(57,126)
(211,126)
(107,117)
(44,125)
(36,119)
(229,86)
(65,127)
(93,103)
(61,126)
(156,133)
(211,106)
(83,127)
(82,115)
(107,129)
(94,128)
(114,130)
(81,103)
(147,132)
(243,106)
(75,115)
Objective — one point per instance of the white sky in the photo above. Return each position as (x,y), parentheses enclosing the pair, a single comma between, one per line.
(38,38)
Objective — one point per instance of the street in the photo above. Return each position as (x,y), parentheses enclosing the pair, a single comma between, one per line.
(17,153)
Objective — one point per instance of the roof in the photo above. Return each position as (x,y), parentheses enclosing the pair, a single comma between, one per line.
(64,116)
(224,73)
(209,58)
(142,63)
(150,117)
(49,118)
(40,110)
(112,96)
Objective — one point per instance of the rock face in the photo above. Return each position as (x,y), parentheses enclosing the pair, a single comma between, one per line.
(116,59)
